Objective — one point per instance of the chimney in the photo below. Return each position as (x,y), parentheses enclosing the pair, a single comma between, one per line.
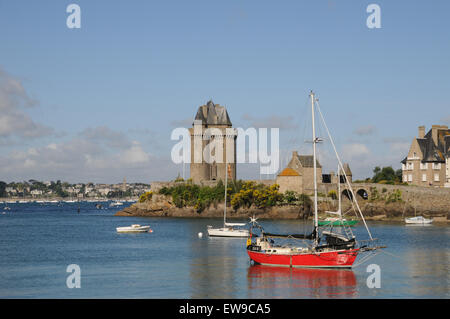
(421,131)
(435,132)
(294,154)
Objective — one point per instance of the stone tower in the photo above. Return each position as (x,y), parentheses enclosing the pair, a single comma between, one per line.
(212,126)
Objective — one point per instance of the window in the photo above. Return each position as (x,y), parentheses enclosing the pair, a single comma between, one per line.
(436,165)
(423,165)
(424,177)
(436,177)
(409,165)
(405,178)
(410,178)
(403,167)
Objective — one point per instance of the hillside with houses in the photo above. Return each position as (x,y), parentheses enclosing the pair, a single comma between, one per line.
(34,189)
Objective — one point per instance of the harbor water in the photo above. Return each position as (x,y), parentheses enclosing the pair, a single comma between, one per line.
(38,241)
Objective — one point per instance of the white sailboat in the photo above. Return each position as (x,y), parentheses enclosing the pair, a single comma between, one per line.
(228,229)
(418,220)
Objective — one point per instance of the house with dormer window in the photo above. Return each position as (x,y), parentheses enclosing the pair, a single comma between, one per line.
(427,162)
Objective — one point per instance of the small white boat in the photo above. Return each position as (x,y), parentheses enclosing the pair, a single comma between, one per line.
(229,230)
(135,228)
(418,220)
(115,204)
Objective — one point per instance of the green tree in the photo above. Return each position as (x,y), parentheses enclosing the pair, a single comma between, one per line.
(386,175)
(2,189)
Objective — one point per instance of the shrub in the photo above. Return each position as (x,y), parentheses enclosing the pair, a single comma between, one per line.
(395,196)
(256,194)
(332,194)
(145,197)
(373,194)
(290,197)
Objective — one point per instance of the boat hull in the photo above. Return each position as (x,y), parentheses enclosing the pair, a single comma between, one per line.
(225,232)
(338,223)
(418,221)
(330,259)
(142,229)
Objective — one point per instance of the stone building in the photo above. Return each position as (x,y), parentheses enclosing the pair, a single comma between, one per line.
(298,175)
(447,161)
(290,180)
(212,130)
(428,158)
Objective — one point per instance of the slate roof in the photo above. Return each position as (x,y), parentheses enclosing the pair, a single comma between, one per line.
(213,114)
(308,161)
(432,152)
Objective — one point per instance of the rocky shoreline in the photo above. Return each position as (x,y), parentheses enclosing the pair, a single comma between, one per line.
(161,206)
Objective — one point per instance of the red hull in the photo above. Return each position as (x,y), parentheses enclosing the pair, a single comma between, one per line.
(331,259)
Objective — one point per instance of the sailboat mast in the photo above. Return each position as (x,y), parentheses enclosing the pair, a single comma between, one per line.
(339,190)
(225,205)
(316,221)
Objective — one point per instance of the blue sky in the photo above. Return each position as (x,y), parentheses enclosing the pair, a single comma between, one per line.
(99,103)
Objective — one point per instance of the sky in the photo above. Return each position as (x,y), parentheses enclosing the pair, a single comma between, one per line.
(99,103)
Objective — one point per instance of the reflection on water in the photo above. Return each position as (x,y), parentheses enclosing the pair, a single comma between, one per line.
(37,243)
(428,265)
(284,282)
(213,267)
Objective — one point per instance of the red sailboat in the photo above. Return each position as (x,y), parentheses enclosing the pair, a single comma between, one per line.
(338,249)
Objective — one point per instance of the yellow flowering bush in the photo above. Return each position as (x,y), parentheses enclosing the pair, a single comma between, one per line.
(145,197)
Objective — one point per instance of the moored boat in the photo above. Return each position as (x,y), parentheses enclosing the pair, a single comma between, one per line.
(116,203)
(321,248)
(418,220)
(229,229)
(135,228)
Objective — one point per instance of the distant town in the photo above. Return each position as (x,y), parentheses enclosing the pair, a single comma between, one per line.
(33,189)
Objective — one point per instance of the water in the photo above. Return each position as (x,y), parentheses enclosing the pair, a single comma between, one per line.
(38,242)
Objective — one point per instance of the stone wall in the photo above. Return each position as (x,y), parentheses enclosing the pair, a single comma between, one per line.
(414,199)
(290,183)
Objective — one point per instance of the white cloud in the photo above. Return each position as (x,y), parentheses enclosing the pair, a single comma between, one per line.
(14,122)
(104,134)
(134,155)
(82,159)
